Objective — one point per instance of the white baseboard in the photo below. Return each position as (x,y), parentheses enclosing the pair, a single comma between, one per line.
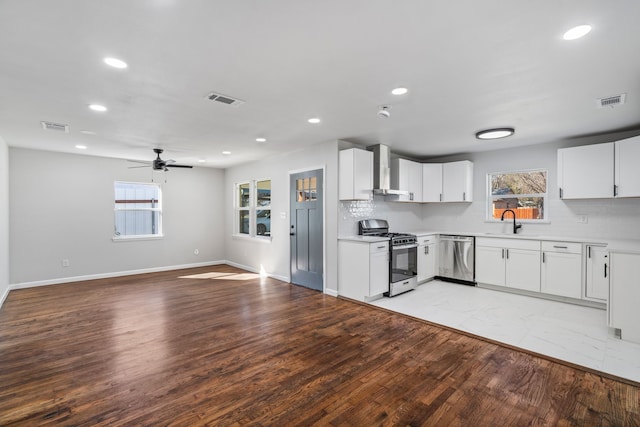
(5,295)
(331,292)
(58,281)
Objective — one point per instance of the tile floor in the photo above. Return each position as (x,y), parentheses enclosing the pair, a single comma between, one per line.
(565,331)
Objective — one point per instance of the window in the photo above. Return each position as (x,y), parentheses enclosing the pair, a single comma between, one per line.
(307,189)
(253,208)
(137,210)
(524,192)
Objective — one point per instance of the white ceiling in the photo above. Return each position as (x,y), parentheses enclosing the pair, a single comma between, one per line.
(468,65)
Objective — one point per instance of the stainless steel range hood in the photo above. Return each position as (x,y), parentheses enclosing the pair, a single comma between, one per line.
(382,171)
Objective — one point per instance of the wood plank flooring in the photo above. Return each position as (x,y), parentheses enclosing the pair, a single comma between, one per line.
(156,349)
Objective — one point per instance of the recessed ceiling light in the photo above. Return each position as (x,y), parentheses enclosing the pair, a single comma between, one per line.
(400,91)
(115,63)
(201,160)
(495,133)
(81,147)
(88,132)
(226,153)
(577,32)
(314,120)
(97,107)
(261,139)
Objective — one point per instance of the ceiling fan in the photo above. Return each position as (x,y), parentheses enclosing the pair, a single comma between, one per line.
(158,164)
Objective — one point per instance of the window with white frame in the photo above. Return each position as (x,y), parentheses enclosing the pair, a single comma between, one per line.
(253,208)
(137,210)
(524,192)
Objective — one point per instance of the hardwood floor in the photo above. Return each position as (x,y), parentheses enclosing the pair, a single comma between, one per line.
(156,349)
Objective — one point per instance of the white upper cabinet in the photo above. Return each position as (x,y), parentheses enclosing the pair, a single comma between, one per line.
(457,181)
(627,168)
(407,175)
(600,171)
(355,174)
(586,172)
(432,182)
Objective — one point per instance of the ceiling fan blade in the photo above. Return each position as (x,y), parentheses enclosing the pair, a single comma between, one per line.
(145,162)
(169,162)
(136,167)
(179,166)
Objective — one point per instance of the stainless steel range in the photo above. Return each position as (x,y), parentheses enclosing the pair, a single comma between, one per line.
(403,255)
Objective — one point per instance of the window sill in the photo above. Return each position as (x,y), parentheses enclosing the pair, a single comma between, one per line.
(261,239)
(519,221)
(136,238)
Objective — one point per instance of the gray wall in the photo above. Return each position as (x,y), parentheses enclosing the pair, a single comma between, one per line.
(273,256)
(4,220)
(62,208)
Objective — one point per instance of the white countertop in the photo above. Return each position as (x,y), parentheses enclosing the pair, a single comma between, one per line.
(364,239)
(632,246)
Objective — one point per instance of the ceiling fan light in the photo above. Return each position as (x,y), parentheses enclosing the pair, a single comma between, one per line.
(400,91)
(495,133)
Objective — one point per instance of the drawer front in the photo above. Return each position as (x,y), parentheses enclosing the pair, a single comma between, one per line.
(379,247)
(426,240)
(562,247)
(490,242)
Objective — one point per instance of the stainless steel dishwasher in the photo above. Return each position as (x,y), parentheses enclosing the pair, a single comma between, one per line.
(457,259)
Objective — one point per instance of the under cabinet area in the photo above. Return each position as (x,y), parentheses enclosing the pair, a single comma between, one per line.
(363,270)
(510,263)
(561,272)
(427,257)
(355,180)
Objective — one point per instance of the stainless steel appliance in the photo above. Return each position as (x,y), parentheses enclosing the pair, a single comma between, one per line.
(457,259)
(403,255)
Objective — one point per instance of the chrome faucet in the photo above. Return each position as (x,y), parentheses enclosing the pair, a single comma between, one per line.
(515,226)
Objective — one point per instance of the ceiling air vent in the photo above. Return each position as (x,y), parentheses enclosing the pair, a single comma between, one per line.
(55,126)
(612,101)
(224,99)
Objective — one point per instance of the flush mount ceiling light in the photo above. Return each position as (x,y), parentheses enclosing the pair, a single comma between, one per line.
(81,147)
(201,161)
(115,63)
(495,133)
(383,112)
(88,132)
(577,32)
(261,139)
(400,91)
(226,153)
(98,107)
(314,120)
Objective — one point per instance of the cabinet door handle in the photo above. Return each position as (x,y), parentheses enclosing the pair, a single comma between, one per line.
(560,247)
(560,192)
(542,256)
(411,196)
(507,253)
(381,247)
(605,271)
(464,196)
(427,250)
(502,253)
(615,190)
(440,196)
(589,252)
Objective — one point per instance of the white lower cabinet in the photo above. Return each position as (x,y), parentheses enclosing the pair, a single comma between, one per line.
(363,269)
(561,272)
(597,273)
(624,295)
(427,257)
(510,263)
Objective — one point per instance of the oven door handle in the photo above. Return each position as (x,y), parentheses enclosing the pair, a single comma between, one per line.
(413,245)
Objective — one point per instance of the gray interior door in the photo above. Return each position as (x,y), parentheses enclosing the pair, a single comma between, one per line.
(306,231)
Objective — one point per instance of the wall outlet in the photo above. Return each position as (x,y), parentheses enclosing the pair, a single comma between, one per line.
(583,219)
(283,215)
(65,262)
(196,252)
